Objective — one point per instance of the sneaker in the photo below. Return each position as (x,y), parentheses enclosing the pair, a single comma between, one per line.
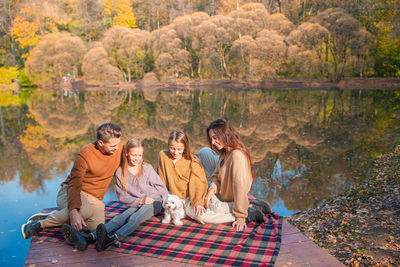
(40,216)
(262,206)
(31,228)
(255,215)
(74,237)
(103,240)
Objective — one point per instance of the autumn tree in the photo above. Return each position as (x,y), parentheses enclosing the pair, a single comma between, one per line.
(113,40)
(55,56)
(307,51)
(269,56)
(242,54)
(224,7)
(249,19)
(346,38)
(151,15)
(184,28)
(215,36)
(119,12)
(171,59)
(34,19)
(96,66)
(278,22)
(133,53)
(87,19)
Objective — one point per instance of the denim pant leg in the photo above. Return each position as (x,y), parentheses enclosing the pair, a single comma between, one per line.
(143,213)
(119,220)
(208,159)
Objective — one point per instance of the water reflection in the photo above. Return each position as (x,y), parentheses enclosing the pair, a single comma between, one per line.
(305,145)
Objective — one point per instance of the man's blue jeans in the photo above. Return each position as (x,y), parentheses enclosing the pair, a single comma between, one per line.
(126,223)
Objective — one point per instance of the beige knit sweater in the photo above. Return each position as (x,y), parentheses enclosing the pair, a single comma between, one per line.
(233,181)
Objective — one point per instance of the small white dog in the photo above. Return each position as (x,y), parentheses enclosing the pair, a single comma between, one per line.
(173,209)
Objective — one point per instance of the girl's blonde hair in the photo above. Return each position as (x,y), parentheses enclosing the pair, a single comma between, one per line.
(181,137)
(132,143)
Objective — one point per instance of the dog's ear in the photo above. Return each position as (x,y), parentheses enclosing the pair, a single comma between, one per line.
(165,199)
(179,203)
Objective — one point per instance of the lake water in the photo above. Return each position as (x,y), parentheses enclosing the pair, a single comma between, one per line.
(305,144)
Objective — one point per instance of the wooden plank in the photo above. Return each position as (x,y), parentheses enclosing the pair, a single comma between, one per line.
(296,250)
(55,254)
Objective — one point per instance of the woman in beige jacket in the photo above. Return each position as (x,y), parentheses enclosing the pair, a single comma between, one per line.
(233,175)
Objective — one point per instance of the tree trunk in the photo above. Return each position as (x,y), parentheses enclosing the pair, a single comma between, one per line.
(224,64)
(2,123)
(327,59)
(199,69)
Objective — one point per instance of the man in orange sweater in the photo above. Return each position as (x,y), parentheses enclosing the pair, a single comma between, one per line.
(79,199)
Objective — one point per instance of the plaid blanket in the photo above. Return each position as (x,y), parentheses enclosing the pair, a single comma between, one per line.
(194,243)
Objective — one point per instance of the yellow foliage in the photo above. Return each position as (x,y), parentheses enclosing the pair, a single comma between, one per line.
(8,99)
(7,74)
(25,32)
(34,138)
(120,13)
(32,21)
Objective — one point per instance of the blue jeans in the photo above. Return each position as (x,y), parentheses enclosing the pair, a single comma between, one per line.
(126,223)
(208,159)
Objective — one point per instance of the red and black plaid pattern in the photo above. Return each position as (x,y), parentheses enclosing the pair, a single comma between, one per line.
(194,243)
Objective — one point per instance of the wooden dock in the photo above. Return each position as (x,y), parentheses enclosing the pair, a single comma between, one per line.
(296,250)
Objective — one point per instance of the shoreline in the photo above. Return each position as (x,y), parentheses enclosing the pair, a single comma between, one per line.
(360,227)
(345,84)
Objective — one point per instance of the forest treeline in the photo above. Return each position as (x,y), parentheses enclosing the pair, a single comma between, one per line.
(122,40)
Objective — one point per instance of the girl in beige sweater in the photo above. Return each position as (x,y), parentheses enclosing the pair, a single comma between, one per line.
(182,173)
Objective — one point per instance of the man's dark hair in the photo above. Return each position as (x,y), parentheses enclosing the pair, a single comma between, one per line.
(108,130)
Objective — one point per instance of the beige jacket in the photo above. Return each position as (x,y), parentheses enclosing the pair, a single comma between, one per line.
(233,181)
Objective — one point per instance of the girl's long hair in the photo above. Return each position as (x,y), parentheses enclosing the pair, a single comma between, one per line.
(230,138)
(181,137)
(132,143)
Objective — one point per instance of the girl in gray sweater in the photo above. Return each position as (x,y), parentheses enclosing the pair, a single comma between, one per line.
(139,187)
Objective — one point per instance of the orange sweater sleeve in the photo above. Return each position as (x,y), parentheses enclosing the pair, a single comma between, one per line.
(197,184)
(75,183)
(161,168)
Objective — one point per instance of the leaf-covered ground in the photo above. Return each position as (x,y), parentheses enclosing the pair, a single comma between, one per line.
(360,227)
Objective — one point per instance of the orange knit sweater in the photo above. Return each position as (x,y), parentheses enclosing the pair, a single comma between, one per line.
(184,178)
(92,173)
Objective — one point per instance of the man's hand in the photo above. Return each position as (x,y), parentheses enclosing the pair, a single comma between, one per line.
(76,220)
(146,200)
(199,210)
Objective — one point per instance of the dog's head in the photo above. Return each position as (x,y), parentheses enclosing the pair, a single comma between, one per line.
(172,202)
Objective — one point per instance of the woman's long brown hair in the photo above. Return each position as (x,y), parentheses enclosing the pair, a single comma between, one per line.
(181,137)
(132,143)
(230,138)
